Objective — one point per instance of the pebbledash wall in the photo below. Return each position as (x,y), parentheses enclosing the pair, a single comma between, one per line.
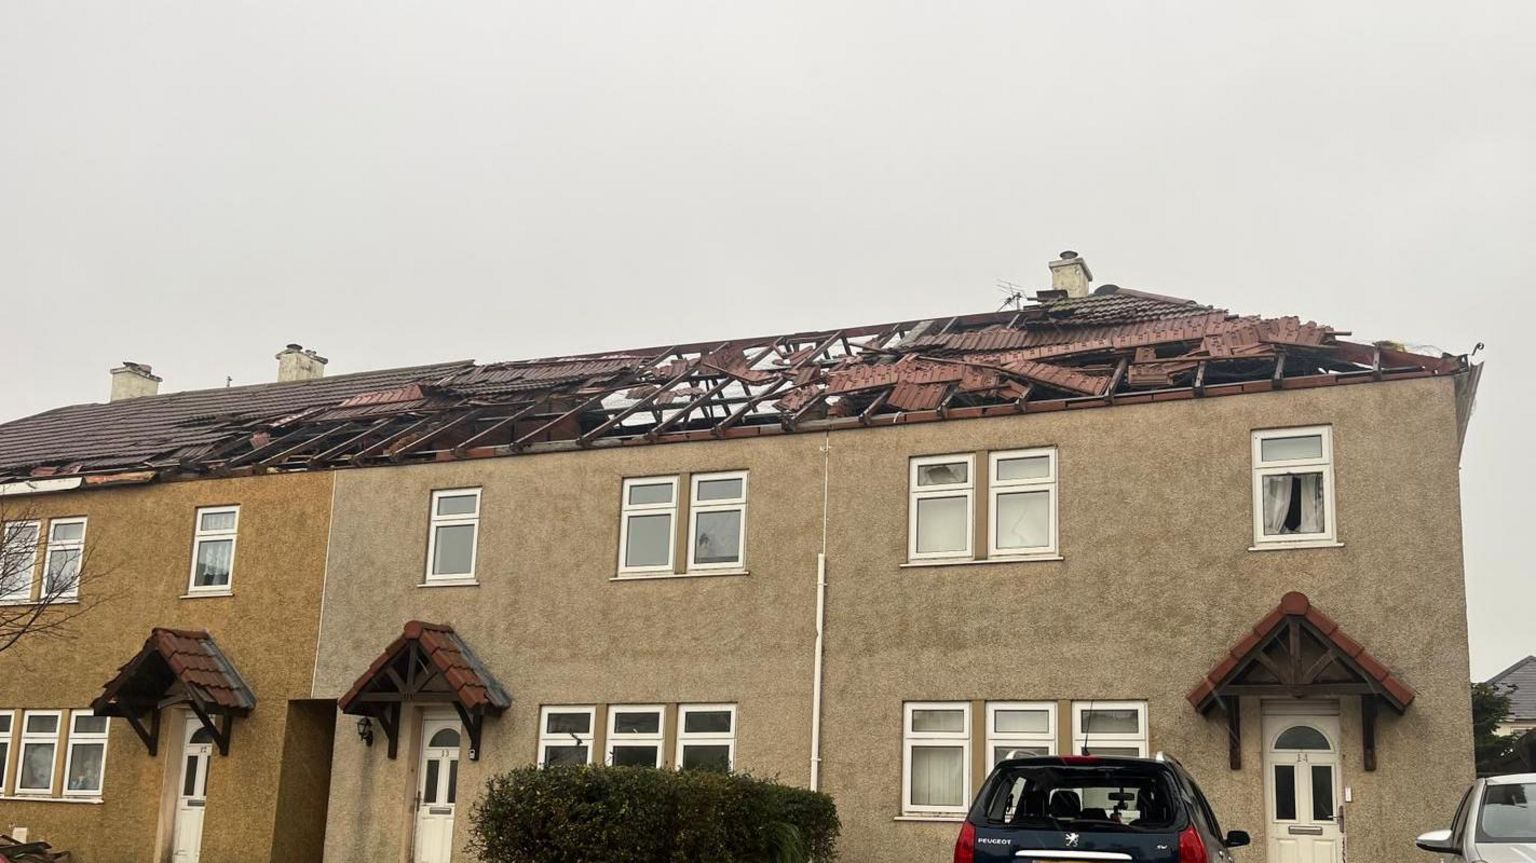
(1155,583)
(261,798)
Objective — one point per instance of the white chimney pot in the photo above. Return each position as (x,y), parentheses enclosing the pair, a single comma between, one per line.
(132,380)
(294,363)
(1071,274)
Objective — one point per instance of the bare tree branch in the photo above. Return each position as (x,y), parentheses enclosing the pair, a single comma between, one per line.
(50,575)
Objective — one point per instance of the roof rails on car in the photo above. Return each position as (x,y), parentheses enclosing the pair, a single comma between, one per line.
(1165,757)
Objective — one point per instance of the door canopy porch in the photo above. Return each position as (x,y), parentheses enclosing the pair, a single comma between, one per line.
(429,663)
(1298,651)
(177,667)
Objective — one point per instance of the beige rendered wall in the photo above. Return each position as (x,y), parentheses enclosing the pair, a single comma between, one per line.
(139,545)
(1156,583)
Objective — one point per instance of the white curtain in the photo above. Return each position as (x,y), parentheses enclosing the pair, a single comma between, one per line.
(1311,503)
(1277,503)
(938,776)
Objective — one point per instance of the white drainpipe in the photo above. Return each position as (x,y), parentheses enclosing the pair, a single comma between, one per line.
(821,617)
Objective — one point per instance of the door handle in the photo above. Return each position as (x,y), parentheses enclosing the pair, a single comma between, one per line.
(1304,830)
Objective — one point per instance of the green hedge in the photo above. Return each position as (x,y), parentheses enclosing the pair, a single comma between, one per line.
(642,815)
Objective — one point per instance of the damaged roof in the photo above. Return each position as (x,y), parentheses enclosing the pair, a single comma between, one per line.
(1114,346)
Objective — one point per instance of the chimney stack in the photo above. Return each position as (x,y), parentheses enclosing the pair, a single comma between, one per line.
(1070,274)
(294,363)
(132,380)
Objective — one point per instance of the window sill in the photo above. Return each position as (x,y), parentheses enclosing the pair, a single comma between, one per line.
(204,594)
(71,600)
(450,582)
(1035,558)
(1287,546)
(653,576)
(43,798)
(932,816)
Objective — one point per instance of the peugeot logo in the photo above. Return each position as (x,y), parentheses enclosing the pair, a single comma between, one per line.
(1072,839)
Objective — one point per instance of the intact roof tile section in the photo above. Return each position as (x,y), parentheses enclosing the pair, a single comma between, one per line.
(474,686)
(1519,682)
(194,660)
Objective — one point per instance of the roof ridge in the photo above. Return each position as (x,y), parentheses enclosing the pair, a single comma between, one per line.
(1521,663)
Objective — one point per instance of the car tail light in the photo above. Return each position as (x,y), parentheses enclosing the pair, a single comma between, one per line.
(1191,848)
(965,846)
(1080,759)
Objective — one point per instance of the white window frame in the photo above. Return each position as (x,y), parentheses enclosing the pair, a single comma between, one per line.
(1138,739)
(917,493)
(949,739)
(56,738)
(706,738)
(547,739)
(435,521)
(82,737)
(65,545)
(631,739)
(200,536)
(8,737)
(695,506)
(1324,465)
(1046,739)
(996,488)
(22,595)
(627,510)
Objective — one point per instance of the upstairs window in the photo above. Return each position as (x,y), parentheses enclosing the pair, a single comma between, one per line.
(39,750)
(61,565)
(706,737)
(648,525)
(565,735)
(7,717)
(87,754)
(941,506)
(936,768)
(18,560)
(635,735)
(1020,729)
(454,531)
(213,549)
(717,520)
(1293,486)
(1112,728)
(1022,486)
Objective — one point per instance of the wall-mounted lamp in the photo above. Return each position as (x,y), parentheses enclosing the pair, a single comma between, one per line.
(365,731)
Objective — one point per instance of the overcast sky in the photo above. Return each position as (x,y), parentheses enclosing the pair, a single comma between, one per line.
(193,185)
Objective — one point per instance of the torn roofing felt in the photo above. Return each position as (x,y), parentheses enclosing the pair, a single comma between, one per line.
(1115,346)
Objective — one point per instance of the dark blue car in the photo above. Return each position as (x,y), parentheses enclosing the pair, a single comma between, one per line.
(1084,807)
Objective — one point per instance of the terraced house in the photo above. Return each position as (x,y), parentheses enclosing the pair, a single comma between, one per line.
(871,560)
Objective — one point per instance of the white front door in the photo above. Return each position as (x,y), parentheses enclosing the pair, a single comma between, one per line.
(191,793)
(1302,788)
(437,790)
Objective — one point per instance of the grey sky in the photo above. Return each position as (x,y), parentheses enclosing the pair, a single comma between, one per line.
(192,185)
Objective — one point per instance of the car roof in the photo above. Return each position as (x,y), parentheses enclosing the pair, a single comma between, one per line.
(1511,779)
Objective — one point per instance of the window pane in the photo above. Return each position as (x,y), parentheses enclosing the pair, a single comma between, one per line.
(1115,751)
(565,755)
(648,541)
(429,787)
(942,524)
(189,778)
(1100,721)
(445,738)
(1293,503)
(707,722)
(85,766)
(1021,721)
(938,720)
(938,776)
(718,538)
(214,560)
(68,531)
(719,489)
(1024,520)
(660,492)
(5,725)
(36,766)
(568,723)
(646,722)
(1322,792)
(216,521)
(712,757)
(635,756)
(453,780)
(1291,448)
(1508,814)
(1002,753)
(1302,737)
(41,724)
(86,725)
(947,473)
(63,570)
(1033,467)
(454,550)
(1285,792)
(458,504)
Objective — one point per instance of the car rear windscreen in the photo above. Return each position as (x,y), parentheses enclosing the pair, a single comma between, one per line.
(1130,797)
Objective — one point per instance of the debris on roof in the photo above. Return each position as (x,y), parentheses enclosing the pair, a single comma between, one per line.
(1114,346)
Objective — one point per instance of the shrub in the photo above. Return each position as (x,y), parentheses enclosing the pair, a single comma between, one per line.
(640,815)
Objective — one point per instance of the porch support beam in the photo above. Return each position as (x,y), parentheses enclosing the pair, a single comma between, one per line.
(1233,707)
(1368,730)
